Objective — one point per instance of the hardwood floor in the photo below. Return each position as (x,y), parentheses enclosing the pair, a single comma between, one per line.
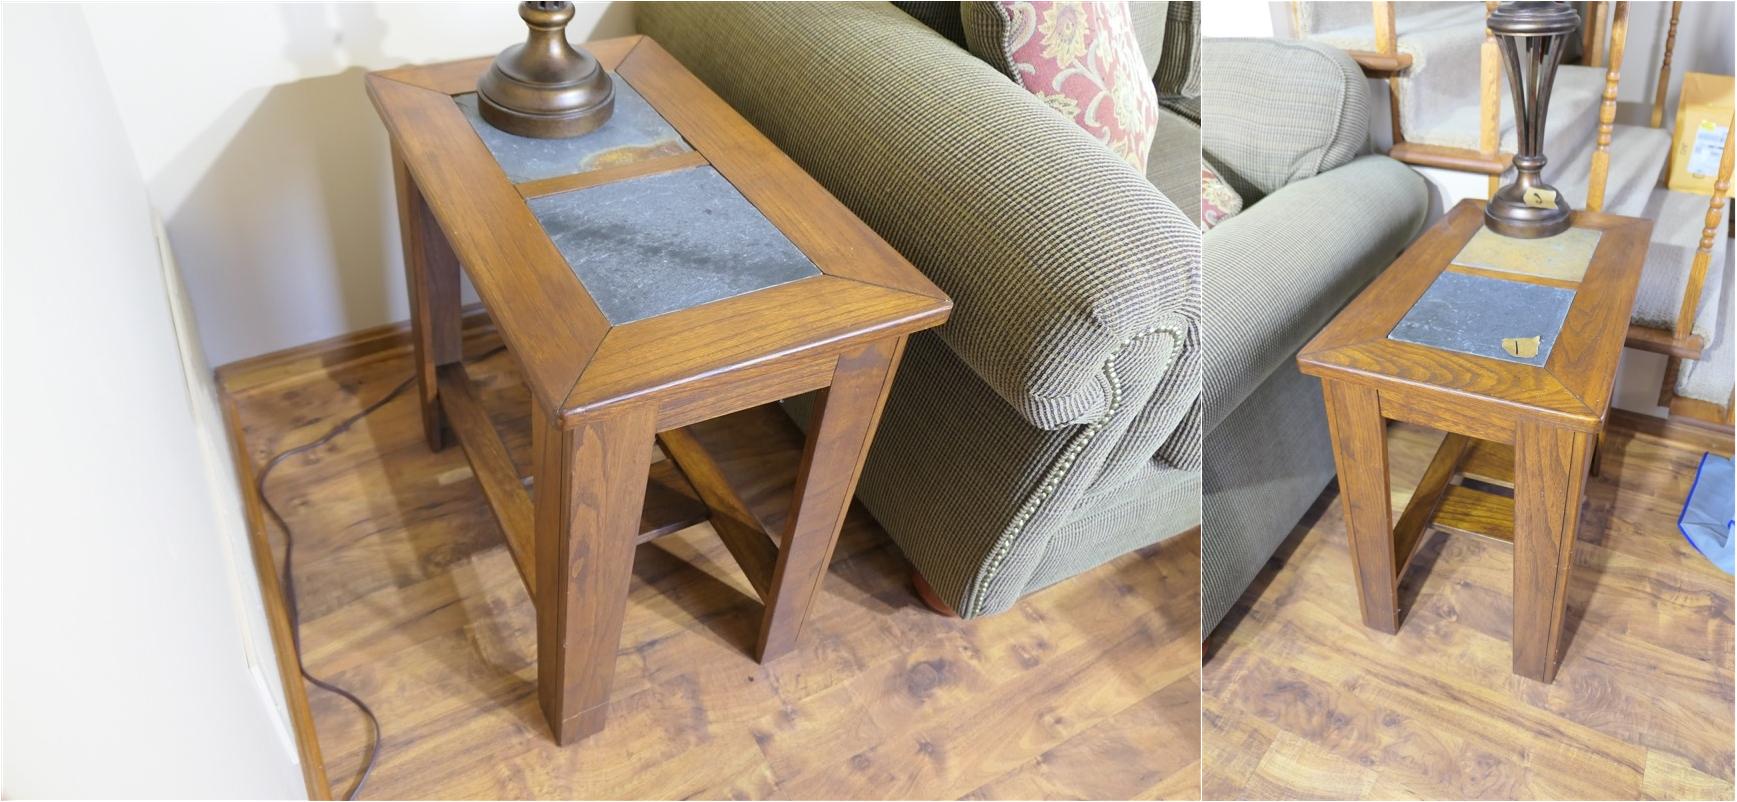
(1089,689)
(1303,701)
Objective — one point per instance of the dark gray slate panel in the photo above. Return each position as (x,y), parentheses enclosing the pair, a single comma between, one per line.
(1473,314)
(635,132)
(665,242)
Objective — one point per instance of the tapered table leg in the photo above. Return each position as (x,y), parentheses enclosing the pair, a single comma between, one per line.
(431,273)
(843,424)
(1359,436)
(588,492)
(1550,469)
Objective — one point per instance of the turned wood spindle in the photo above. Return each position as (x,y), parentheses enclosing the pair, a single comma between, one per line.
(1607,110)
(1704,253)
(1664,86)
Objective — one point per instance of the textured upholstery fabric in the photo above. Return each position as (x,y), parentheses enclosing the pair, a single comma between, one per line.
(1055,252)
(1178,70)
(1071,355)
(941,17)
(1275,274)
(1149,30)
(1279,270)
(977,498)
(1157,499)
(1280,111)
(1173,165)
(1265,465)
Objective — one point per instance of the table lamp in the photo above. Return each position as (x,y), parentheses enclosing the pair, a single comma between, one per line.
(1532,37)
(545,88)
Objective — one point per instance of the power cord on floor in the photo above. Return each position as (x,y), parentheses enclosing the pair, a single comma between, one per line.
(288,576)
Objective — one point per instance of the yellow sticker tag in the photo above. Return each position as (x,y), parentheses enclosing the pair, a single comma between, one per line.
(1522,347)
(1540,198)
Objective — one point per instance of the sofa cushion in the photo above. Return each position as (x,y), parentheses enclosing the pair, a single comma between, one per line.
(1055,253)
(1171,166)
(1082,59)
(941,17)
(1276,273)
(1280,111)
(1177,71)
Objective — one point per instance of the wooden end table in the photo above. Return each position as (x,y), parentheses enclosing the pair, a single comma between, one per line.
(667,269)
(1424,343)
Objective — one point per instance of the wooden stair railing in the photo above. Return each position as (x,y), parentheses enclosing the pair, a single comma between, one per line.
(1385,61)
(1677,341)
(1489,99)
(1607,110)
(1704,250)
(1664,84)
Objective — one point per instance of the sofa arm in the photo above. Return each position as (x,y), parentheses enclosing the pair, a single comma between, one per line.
(1280,111)
(1055,252)
(1280,269)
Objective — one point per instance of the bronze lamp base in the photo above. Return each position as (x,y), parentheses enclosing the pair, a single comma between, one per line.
(545,88)
(1532,35)
(1528,208)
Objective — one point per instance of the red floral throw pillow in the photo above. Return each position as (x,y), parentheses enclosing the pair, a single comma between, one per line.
(1081,58)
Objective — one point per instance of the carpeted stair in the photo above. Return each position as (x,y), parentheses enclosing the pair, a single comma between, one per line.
(1438,105)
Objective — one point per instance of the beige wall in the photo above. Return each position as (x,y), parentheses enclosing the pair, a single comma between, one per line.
(259,147)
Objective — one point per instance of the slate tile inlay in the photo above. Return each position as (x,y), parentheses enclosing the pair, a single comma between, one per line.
(665,242)
(1473,314)
(634,132)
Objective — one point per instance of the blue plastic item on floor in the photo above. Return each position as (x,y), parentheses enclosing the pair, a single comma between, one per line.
(1707,517)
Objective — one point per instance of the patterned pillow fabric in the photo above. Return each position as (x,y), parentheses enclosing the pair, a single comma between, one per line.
(1081,58)
(1218,202)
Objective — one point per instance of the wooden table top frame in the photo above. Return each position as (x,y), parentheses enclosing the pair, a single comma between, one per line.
(1529,428)
(602,392)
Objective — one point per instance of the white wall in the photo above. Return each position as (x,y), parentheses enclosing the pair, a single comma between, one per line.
(131,664)
(260,148)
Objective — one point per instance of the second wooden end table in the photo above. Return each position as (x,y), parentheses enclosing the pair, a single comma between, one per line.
(667,269)
(1425,344)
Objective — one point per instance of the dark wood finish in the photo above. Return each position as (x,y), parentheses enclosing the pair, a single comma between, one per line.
(1550,467)
(843,423)
(1572,389)
(602,390)
(493,467)
(1408,533)
(431,273)
(1360,451)
(1490,463)
(1301,701)
(1551,415)
(588,502)
(742,531)
(410,598)
(1474,512)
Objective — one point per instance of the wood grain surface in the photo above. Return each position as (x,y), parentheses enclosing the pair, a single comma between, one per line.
(411,599)
(1302,701)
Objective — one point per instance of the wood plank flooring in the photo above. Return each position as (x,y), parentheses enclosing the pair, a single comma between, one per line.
(1089,689)
(1302,701)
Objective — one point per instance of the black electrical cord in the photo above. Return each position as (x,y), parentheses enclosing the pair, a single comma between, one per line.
(288,579)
